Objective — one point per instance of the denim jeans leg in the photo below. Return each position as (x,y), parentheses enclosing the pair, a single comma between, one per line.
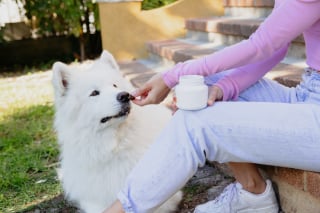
(265,133)
(252,129)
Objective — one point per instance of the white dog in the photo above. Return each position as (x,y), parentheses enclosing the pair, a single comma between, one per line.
(101,135)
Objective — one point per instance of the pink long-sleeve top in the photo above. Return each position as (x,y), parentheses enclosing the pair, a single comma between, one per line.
(252,58)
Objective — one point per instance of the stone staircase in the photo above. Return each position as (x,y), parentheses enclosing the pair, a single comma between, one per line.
(299,191)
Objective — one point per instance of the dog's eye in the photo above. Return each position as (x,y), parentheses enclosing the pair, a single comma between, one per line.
(95,93)
(114,85)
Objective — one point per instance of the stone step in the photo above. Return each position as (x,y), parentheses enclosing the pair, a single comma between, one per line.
(246,8)
(248,3)
(243,27)
(140,71)
(230,30)
(136,72)
(179,51)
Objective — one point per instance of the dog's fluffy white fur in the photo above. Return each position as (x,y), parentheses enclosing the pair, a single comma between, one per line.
(98,145)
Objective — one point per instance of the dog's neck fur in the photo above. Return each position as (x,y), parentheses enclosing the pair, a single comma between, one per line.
(110,143)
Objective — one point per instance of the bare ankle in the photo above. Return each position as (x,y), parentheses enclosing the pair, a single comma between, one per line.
(249,176)
(115,208)
(255,187)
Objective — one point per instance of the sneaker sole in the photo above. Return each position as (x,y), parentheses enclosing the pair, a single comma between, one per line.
(270,209)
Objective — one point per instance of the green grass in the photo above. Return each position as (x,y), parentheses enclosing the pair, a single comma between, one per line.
(28,148)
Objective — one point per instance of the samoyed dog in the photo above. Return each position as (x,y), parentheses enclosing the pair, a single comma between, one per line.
(101,135)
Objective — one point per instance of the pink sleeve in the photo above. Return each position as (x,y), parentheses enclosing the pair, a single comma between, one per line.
(284,24)
(241,78)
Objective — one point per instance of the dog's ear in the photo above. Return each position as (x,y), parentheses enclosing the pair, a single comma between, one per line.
(107,57)
(60,78)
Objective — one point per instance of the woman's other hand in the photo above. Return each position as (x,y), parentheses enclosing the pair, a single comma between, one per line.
(215,94)
(152,92)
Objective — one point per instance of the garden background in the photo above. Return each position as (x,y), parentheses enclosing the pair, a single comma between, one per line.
(43,32)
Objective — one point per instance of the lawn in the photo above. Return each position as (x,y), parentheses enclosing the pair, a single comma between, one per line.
(28,148)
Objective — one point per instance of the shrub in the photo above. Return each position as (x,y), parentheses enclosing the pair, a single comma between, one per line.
(151,4)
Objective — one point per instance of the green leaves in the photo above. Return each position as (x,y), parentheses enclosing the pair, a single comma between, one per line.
(151,4)
(55,17)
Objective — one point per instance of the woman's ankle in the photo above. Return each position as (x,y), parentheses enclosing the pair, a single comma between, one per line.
(115,208)
(255,187)
(248,175)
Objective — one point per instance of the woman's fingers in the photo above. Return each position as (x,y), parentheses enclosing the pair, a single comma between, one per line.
(141,94)
(152,92)
(173,105)
(215,94)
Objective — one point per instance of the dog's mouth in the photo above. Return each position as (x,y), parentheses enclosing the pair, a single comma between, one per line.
(125,110)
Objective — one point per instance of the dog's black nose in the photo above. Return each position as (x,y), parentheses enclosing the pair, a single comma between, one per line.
(123,97)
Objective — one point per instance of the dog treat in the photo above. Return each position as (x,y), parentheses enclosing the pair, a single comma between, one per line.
(131,97)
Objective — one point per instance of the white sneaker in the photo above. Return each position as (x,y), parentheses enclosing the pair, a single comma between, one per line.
(234,199)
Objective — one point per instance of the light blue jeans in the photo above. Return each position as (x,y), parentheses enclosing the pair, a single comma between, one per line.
(270,124)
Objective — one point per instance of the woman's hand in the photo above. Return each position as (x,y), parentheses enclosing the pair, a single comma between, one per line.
(215,94)
(152,92)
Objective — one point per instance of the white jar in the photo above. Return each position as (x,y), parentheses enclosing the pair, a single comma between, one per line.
(191,92)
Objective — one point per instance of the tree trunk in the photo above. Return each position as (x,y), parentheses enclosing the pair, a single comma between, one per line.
(82,47)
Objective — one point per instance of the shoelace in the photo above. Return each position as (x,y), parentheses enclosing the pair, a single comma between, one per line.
(310,70)
(227,194)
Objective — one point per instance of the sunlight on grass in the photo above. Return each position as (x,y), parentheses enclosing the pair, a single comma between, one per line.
(24,91)
(28,148)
